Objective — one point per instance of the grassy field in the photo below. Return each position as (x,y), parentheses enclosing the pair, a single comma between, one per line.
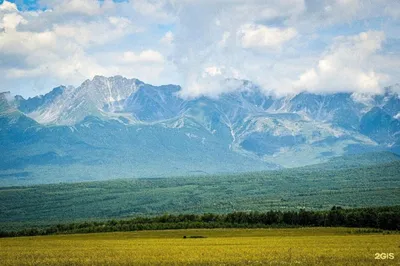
(302,246)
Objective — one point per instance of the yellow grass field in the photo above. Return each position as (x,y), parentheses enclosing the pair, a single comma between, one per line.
(303,246)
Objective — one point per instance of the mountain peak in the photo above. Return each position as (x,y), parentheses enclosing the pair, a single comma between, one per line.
(33,103)
(96,97)
(127,116)
(5,94)
(6,102)
(100,78)
(392,90)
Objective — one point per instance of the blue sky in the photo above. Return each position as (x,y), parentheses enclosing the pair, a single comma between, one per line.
(26,4)
(283,46)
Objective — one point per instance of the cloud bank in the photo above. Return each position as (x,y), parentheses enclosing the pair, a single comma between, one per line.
(283,46)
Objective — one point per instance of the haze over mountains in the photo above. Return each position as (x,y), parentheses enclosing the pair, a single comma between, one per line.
(117,127)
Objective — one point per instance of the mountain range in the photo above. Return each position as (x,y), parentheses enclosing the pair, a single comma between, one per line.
(117,127)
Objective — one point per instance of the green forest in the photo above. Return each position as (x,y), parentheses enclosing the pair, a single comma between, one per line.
(310,188)
(384,218)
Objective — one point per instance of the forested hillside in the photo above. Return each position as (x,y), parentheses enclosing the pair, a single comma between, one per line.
(290,189)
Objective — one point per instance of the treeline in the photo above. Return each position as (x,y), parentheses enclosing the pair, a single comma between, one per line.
(386,218)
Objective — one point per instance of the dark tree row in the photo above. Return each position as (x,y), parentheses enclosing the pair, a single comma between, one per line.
(386,218)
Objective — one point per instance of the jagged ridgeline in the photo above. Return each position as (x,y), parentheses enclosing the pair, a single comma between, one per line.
(120,128)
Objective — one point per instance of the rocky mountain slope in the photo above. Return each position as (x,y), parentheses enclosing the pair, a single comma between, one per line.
(117,127)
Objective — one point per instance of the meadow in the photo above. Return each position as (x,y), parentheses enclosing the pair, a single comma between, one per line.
(300,246)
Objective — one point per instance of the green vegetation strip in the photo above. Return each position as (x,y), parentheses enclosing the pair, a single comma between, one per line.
(290,189)
(384,218)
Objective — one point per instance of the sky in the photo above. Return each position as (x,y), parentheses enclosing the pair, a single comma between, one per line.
(284,46)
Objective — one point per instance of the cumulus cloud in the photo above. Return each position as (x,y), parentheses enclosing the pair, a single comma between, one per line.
(215,33)
(260,36)
(8,6)
(212,82)
(65,45)
(283,46)
(346,66)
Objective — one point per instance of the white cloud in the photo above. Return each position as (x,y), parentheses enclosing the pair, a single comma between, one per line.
(8,6)
(147,65)
(285,46)
(96,32)
(158,10)
(62,46)
(25,43)
(168,38)
(147,56)
(393,9)
(212,82)
(214,33)
(266,10)
(260,36)
(88,7)
(212,71)
(11,21)
(346,67)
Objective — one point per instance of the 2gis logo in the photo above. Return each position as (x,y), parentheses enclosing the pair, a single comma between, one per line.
(384,256)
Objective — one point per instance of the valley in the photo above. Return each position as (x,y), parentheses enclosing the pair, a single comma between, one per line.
(350,182)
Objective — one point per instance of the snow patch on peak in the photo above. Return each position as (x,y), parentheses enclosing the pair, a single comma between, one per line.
(94,97)
(6,96)
(364,98)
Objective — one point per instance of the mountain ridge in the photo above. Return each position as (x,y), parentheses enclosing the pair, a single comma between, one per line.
(150,131)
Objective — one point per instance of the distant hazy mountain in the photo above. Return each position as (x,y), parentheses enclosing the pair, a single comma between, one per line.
(117,127)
